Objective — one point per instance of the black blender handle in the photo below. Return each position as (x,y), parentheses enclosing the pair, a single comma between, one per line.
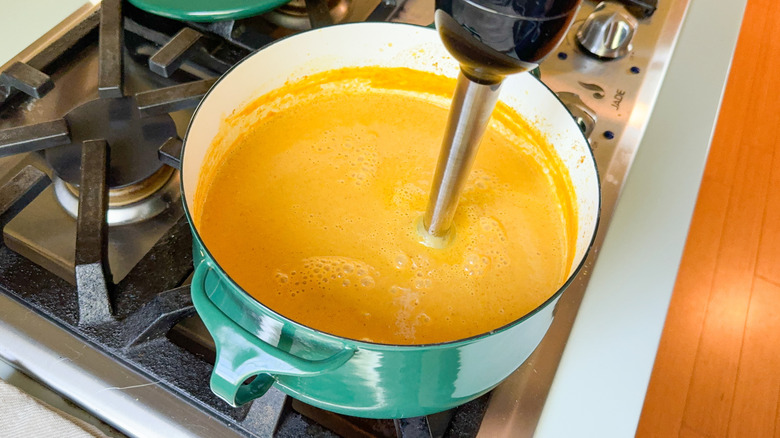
(536,72)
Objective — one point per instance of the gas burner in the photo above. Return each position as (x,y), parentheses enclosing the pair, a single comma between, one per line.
(307,14)
(111,160)
(133,141)
(129,204)
(135,174)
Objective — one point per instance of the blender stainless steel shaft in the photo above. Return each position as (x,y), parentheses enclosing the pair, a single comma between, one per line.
(470,113)
(491,39)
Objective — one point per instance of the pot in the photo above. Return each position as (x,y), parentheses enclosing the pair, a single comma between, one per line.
(258,348)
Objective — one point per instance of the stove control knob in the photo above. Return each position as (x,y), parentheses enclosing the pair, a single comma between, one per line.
(607,31)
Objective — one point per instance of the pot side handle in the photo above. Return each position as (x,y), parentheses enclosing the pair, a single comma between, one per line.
(241,355)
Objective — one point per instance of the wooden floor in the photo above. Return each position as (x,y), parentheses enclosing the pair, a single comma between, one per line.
(717,373)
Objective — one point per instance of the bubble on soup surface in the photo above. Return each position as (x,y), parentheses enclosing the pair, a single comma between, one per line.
(422,283)
(401,261)
(423,318)
(281,277)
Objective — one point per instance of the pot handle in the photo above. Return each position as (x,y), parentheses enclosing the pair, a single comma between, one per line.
(241,355)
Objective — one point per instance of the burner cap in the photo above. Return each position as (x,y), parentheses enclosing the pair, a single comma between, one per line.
(295,16)
(133,140)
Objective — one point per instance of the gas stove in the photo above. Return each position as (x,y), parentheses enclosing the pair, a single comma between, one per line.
(94,266)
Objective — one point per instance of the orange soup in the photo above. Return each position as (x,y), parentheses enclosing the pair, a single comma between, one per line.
(311,197)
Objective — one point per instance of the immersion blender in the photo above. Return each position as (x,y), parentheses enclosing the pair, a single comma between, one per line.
(491,39)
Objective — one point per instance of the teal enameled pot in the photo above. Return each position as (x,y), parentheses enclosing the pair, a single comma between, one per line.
(258,348)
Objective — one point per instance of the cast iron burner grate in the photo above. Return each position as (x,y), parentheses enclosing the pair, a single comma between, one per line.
(130,319)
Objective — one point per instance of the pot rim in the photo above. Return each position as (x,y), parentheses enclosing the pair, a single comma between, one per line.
(474,338)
